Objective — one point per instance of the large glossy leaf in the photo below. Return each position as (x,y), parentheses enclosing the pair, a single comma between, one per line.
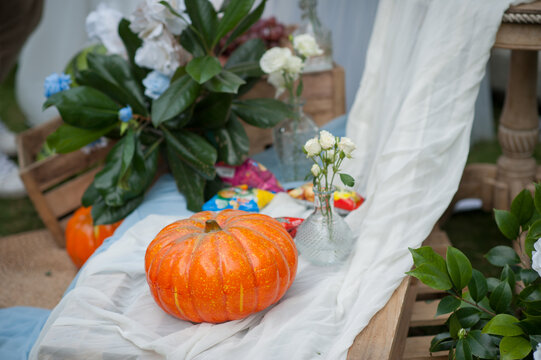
(500,299)
(263,113)
(514,347)
(447,304)
(503,325)
(235,11)
(188,181)
(441,342)
(482,345)
(90,196)
(246,23)
(233,143)
(522,206)
(69,138)
(204,19)
(78,61)
(193,150)
(203,68)
(225,82)
(478,286)
(132,42)
(103,214)
(213,111)
(502,255)
(463,350)
(468,316)
(459,268)
(85,107)
(244,61)
(430,268)
(508,275)
(180,94)
(191,42)
(507,223)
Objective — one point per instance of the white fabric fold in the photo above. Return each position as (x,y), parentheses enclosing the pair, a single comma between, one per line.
(411,121)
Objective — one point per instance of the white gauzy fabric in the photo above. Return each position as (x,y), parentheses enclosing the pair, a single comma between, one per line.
(411,121)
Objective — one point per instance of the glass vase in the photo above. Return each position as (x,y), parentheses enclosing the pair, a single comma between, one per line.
(310,24)
(289,138)
(324,238)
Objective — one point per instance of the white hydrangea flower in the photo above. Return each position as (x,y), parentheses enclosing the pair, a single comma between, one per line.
(163,54)
(312,147)
(102,25)
(326,139)
(315,169)
(347,146)
(294,65)
(537,353)
(277,80)
(274,59)
(306,45)
(536,258)
(150,18)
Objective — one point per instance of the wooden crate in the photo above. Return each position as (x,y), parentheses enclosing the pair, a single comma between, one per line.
(325,97)
(56,184)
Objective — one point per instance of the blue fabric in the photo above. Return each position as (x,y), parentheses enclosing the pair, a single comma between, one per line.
(20,326)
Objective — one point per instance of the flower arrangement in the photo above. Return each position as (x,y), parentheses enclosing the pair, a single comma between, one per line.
(284,68)
(156,85)
(493,318)
(328,152)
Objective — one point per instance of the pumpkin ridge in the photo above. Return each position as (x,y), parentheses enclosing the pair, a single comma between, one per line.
(188,268)
(173,244)
(256,287)
(221,272)
(280,285)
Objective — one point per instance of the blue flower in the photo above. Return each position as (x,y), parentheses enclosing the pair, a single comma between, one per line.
(155,84)
(125,114)
(56,83)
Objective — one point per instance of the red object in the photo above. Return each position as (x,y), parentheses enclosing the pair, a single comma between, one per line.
(83,238)
(290,224)
(220,266)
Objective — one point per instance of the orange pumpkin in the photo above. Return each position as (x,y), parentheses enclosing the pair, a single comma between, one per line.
(83,238)
(215,267)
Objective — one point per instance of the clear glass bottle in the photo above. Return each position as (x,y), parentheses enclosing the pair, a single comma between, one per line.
(310,24)
(324,238)
(289,138)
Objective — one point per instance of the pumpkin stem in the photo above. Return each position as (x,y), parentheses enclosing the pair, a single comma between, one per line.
(211,226)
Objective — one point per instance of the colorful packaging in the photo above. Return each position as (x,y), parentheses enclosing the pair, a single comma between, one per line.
(290,224)
(239,198)
(343,199)
(250,173)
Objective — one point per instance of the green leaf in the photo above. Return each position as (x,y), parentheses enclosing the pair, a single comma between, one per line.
(204,19)
(507,223)
(233,143)
(203,68)
(514,347)
(482,345)
(181,120)
(463,351)
(191,42)
(492,283)
(180,94)
(193,150)
(503,325)
(468,316)
(235,11)
(246,23)
(530,294)
(132,42)
(534,233)
(69,138)
(84,107)
(531,324)
(263,113)
(454,325)
(447,304)
(509,276)
(477,286)
(189,182)
(522,206)
(78,62)
(433,276)
(459,268)
(425,254)
(300,87)
(103,214)
(537,197)
(528,276)
(90,196)
(500,299)
(348,180)
(441,342)
(213,111)
(502,255)
(225,82)
(244,61)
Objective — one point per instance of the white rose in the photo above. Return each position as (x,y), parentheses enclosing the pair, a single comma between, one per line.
(277,80)
(312,147)
(306,45)
(329,155)
(315,170)
(274,59)
(537,353)
(102,25)
(326,139)
(536,258)
(294,65)
(163,54)
(347,146)
(150,18)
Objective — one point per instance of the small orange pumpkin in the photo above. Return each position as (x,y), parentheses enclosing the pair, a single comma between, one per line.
(216,267)
(83,238)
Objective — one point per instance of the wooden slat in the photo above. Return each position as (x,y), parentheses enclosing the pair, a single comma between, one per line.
(385,336)
(518,37)
(417,349)
(424,312)
(67,197)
